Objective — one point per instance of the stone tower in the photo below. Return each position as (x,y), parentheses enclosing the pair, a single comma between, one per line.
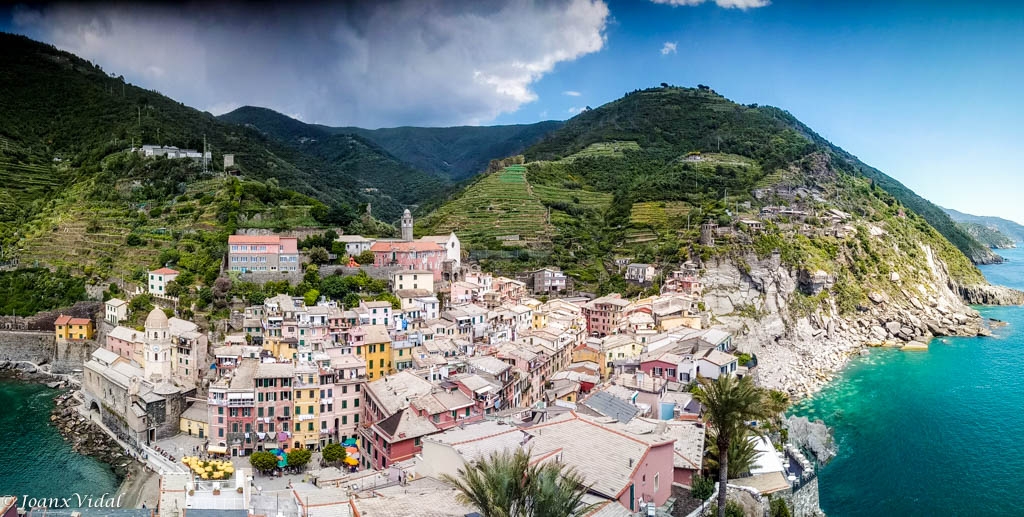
(407,225)
(157,346)
(707,233)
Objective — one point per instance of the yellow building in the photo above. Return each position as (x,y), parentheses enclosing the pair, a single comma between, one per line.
(373,345)
(282,348)
(306,406)
(195,421)
(68,328)
(618,347)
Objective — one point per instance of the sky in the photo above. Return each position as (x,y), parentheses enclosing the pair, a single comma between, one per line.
(926,91)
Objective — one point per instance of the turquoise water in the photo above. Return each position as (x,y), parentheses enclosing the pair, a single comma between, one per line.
(931,433)
(35,460)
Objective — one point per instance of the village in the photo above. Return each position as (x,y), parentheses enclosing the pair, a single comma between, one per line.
(388,398)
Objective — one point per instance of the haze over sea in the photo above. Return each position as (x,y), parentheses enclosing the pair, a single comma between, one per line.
(931,433)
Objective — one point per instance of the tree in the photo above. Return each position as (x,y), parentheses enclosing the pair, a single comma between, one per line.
(318,255)
(141,303)
(729,404)
(299,457)
(351,300)
(701,487)
(778,508)
(173,289)
(505,484)
(365,257)
(263,461)
(742,453)
(334,452)
(310,297)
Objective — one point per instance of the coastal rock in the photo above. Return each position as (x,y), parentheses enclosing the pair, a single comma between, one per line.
(893,327)
(989,294)
(878,333)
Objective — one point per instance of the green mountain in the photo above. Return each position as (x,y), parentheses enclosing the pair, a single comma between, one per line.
(988,236)
(635,178)
(371,169)
(74,194)
(450,153)
(455,152)
(1006,227)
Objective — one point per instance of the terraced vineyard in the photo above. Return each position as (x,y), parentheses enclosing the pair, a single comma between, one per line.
(498,205)
(605,150)
(584,198)
(660,214)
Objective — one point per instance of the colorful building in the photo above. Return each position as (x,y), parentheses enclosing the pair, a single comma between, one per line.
(372,344)
(68,328)
(306,400)
(418,255)
(260,253)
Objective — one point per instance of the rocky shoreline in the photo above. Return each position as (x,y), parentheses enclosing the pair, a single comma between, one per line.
(84,436)
(799,352)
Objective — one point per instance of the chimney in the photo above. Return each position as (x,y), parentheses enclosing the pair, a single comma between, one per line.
(631,463)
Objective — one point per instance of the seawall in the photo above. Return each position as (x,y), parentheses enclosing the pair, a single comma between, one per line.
(41,347)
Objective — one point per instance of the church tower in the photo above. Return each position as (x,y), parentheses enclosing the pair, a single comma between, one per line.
(157,346)
(407,225)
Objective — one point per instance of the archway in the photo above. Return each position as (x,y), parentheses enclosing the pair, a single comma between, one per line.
(94,407)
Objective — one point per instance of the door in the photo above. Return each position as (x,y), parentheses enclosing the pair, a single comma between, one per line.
(632,498)
(200,432)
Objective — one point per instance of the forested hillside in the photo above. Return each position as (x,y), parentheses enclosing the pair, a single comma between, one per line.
(1011,229)
(636,177)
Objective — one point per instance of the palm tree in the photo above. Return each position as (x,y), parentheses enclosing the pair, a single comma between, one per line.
(742,453)
(506,485)
(730,403)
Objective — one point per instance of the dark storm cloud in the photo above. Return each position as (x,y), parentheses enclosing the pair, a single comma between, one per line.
(371,64)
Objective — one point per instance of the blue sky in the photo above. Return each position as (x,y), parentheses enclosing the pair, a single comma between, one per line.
(925,91)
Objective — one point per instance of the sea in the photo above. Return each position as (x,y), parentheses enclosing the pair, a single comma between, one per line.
(35,461)
(931,433)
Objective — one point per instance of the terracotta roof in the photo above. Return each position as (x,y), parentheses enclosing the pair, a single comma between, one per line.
(254,239)
(164,271)
(406,246)
(80,321)
(63,319)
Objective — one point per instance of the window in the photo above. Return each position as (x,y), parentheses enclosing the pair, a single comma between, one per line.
(298,426)
(344,404)
(355,418)
(344,419)
(436,418)
(356,404)
(310,427)
(657,481)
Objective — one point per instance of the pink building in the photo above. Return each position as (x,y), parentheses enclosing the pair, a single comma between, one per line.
(260,253)
(615,464)
(423,255)
(230,403)
(274,404)
(124,342)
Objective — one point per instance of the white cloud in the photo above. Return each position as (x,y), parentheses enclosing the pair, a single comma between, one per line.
(728,4)
(572,93)
(422,62)
(669,48)
(574,110)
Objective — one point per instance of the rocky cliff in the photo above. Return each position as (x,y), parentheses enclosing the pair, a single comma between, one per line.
(800,346)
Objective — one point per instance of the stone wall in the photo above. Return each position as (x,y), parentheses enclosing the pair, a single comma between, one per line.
(40,347)
(295,277)
(27,345)
(72,355)
(804,501)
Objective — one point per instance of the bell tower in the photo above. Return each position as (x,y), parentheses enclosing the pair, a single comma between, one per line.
(407,225)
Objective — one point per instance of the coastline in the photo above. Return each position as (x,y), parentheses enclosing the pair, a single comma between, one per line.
(137,484)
